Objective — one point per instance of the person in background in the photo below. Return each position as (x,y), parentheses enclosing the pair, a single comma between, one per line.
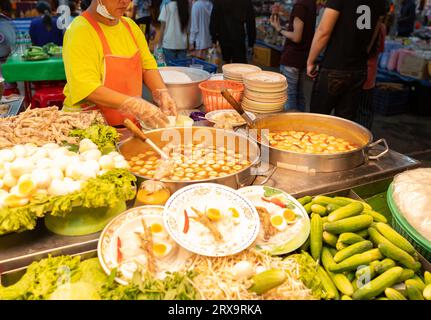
(142,15)
(229,20)
(200,37)
(365,111)
(406,20)
(346,31)
(174,18)
(6,8)
(44,29)
(299,34)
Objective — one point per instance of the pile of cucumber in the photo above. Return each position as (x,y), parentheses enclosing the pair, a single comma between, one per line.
(35,53)
(359,255)
(52,49)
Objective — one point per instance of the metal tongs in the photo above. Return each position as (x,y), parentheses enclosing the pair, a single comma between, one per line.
(167,164)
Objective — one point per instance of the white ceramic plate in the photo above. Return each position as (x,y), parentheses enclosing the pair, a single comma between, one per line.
(264,78)
(123,227)
(239,69)
(296,232)
(212,116)
(237,234)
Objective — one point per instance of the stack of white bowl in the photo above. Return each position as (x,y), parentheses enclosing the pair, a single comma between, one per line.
(265,92)
(236,71)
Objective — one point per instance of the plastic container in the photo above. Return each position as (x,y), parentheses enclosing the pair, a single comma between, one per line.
(212,97)
(401,225)
(209,67)
(390,101)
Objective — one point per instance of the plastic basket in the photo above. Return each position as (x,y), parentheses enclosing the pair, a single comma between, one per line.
(400,224)
(390,101)
(209,67)
(212,97)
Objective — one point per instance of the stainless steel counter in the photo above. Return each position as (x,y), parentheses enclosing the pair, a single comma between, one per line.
(18,250)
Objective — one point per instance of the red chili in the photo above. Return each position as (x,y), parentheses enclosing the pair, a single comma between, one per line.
(119,254)
(275,201)
(186,222)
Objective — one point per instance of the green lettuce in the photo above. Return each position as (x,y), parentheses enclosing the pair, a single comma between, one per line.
(104,191)
(105,137)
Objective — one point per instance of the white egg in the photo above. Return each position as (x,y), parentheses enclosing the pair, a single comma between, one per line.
(93,165)
(21,166)
(75,186)
(102,172)
(93,154)
(122,165)
(51,146)
(113,153)
(24,177)
(41,178)
(118,158)
(25,187)
(40,154)
(19,150)
(260,269)
(61,162)
(59,152)
(41,192)
(3,195)
(107,162)
(56,174)
(242,269)
(2,172)
(58,188)
(86,144)
(73,171)
(30,149)
(87,173)
(7,155)
(43,163)
(9,180)
(162,249)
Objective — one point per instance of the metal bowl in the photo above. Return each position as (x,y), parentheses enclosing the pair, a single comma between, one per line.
(341,128)
(187,95)
(194,135)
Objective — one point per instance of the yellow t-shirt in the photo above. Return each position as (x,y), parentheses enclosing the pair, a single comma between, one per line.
(83,56)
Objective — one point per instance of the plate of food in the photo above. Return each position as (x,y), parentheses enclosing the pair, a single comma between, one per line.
(230,116)
(285,225)
(137,241)
(211,220)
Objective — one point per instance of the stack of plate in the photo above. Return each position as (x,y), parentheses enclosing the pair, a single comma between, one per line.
(236,71)
(265,92)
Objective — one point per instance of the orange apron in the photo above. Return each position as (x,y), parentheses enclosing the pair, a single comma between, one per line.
(122,74)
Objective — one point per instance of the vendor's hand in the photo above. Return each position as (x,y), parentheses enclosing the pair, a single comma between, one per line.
(275,22)
(312,71)
(164,100)
(152,116)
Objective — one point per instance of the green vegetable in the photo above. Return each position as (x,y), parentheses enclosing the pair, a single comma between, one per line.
(376,237)
(427,277)
(352,209)
(415,282)
(304,200)
(351,224)
(392,251)
(377,217)
(350,238)
(413,292)
(393,294)
(324,201)
(368,271)
(307,207)
(340,280)
(105,137)
(346,298)
(332,207)
(353,249)
(427,292)
(75,291)
(379,284)
(267,280)
(395,238)
(340,246)
(271,191)
(316,237)
(356,260)
(104,191)
(406,274)
(330,238)
(384,265)
(362,233)
(320,210)
(328,285)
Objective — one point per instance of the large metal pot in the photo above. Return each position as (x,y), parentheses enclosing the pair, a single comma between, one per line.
(187,95)
(331,125)
(194,135)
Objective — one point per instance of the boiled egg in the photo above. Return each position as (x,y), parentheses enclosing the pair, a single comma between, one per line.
(73,171)
(61,162)
(58,188)
(19,151)
(278,222)
(39,154)
(3,195)
(14,201)
(44,163)
(7,155)
(161,249)
(30,149)
(1,184)
(242,270)
(9,180)
(21,166)
(213,214)
(106,162)
(2,173)
(93,165)
(289,215)
(234,215)
(158,231)
(59,152)
(50,146)
(86,144)
(41,178)
(93,154)
(56,173)
(122,165)
(25,187)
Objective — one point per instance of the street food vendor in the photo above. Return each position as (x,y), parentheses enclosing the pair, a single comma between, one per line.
(107,60)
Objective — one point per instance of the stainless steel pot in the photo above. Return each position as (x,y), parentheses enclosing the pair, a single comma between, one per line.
(187,95)
(207,136)
(331,125)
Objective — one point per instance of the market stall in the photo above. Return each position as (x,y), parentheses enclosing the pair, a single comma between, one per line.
(284,206)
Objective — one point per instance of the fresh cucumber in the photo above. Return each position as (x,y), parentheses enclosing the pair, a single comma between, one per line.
(320,210)
(330,239)
(406,274)
(427,277)
(393,294)
(340,280)
(395,238)
(379,284)
(327,284)
(324,201)
(393,252)
(427,292)
(384,265)
(413,292)
(350,238)
(353,249)
(351,224)
(369,270)
(316,237)
(377,217)
(352,209)
(332,207)
(304,200)
(307,207)
(351,263)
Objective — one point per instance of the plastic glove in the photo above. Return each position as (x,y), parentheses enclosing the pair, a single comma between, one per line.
(164,100)
(145,111)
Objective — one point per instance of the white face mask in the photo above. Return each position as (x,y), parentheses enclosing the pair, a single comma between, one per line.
(101,9)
